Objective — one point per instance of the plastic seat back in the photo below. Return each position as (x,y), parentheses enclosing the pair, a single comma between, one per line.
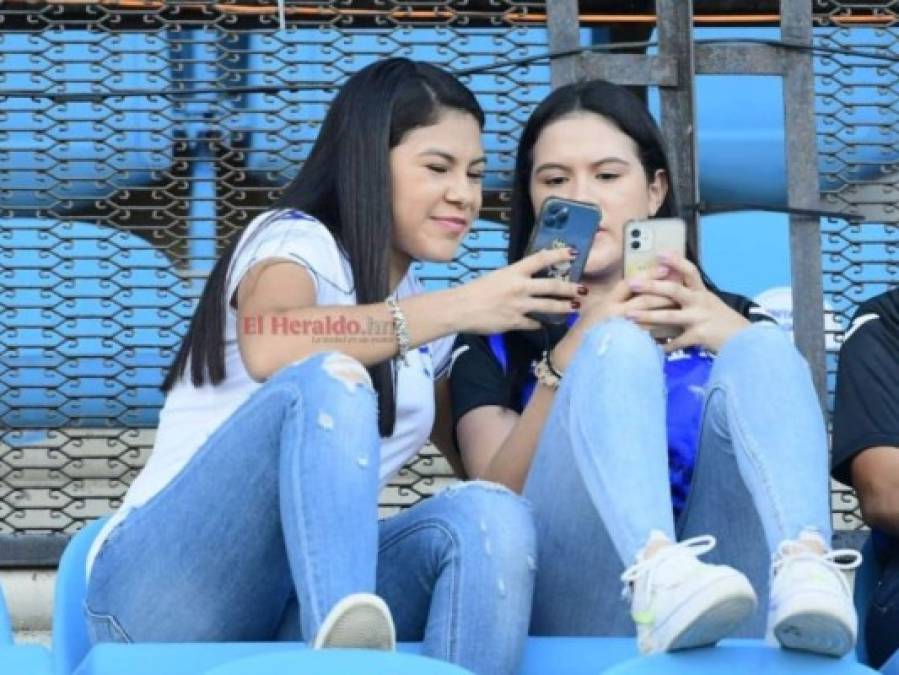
(70,640)
(5,623)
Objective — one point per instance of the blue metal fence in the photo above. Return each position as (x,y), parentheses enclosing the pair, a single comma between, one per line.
(113,206)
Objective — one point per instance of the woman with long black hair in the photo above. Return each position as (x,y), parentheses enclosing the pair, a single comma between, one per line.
(637,456)
(306,380)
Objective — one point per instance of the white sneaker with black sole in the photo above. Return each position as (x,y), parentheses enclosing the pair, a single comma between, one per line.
(679,602)
(811,607)
(358,621)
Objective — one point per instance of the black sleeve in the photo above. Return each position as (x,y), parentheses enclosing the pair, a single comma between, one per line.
(476,377)
(866,408)
(744,306)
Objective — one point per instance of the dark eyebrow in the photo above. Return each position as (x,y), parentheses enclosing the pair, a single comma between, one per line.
(550,165)
(562,167)
(610,160)
(448,157)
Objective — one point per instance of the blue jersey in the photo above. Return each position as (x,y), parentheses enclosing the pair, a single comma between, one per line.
(686,374)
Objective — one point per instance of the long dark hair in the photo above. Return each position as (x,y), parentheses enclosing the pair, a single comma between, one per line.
(629,113)
(345,183)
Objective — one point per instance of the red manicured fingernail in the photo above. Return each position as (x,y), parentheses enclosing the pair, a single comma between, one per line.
(573,251)
(582,290)
(575,304)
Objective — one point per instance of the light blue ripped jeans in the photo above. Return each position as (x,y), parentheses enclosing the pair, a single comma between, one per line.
(599,482)
(275,519)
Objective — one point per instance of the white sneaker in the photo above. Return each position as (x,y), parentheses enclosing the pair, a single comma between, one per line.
(358,621)
(811,605)
(680,602)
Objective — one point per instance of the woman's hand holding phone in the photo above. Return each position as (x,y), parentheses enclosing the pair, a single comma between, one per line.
(503,299)
(620,301)
(702,316)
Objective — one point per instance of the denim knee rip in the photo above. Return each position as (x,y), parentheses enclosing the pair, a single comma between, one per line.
(497,488)
(347,370)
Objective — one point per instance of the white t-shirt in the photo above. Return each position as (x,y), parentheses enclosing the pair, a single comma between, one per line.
(191,414)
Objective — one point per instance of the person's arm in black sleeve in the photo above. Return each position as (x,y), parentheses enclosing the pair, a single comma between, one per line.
(476,376)
(750,310)
(496,442)
(866,419)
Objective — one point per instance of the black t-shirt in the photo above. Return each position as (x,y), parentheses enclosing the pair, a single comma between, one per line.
(866,410)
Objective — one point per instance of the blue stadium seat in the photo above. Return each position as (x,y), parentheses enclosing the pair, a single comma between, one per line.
(891,667)
(336,662)
(54,153)
(25,660)
(72,652)
(281,127)
(740,657)
(90,314)
(740,119)
(70,640)
(5,622)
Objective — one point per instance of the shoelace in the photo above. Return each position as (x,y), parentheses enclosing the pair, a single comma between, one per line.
(785,556)
(697,546)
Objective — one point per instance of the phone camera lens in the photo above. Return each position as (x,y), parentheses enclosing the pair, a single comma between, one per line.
(635,245)
(635,233)
(563,213)
(554,208)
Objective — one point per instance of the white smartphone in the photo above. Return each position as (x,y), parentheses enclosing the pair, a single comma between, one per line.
(644,240)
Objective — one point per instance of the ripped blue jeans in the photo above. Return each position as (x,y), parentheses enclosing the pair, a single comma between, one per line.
(599,482)
(275,519)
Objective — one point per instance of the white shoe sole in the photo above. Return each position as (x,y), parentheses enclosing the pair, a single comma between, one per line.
(711,613)
(358,621)
(812,622)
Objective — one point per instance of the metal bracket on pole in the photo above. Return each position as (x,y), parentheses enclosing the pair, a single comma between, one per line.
(671,70)
(563,24)
(803,192)
(675,27)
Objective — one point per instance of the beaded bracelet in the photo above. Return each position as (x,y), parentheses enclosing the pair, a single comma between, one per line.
(400,329)
(546,374)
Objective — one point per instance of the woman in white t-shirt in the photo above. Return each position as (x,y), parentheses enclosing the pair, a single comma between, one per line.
(307,378)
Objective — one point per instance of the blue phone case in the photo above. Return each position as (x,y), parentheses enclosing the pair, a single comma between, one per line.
(564,223)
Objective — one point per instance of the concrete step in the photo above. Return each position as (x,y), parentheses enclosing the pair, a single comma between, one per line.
(33,637)
(29,598)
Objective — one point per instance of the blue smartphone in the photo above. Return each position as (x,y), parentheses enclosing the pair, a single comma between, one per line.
(564,223)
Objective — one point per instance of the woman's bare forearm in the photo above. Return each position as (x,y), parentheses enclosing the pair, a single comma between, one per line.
(272,339)
(511,462)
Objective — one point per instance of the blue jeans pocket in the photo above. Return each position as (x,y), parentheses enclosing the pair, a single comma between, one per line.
(104,628)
